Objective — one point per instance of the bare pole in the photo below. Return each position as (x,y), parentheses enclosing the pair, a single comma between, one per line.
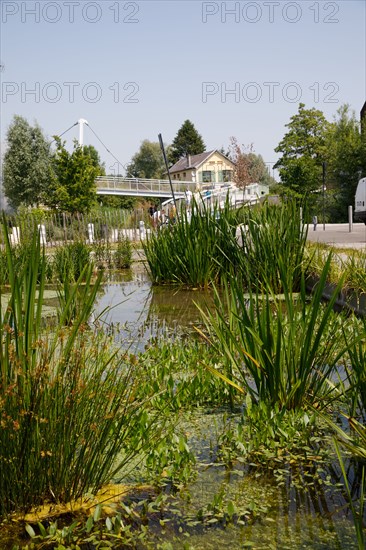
(167,168)
(324,189)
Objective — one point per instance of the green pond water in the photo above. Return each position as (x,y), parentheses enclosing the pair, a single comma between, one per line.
(265,515)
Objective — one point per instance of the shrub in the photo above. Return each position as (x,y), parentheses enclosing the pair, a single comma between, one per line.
(123,255)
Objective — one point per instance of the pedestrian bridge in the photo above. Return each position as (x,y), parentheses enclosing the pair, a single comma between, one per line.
(207,193)
(140,187)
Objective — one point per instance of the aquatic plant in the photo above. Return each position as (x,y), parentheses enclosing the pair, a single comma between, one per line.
(355,369)
(70,260)
(279,349)
(206,244)
(122,257)
(272,236)
(69,416)
(356,505)
(195,250)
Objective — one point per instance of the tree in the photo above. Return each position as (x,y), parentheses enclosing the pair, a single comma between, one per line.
(92,152)
(363,145)
(344,162)
(187,142)
(303,151)
(113,201)
(72,188)
(148,162)
(250,168)
(258,167)
(26,163)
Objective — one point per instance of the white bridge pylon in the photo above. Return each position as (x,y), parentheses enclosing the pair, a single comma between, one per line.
(81,123)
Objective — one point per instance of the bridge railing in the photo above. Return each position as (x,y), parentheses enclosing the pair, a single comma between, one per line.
(142,186)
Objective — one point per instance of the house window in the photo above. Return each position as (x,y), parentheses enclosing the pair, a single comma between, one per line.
(207,176)
(184,174)
(227,175)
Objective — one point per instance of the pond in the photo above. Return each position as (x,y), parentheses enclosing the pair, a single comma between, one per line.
(252,509)
(141,310)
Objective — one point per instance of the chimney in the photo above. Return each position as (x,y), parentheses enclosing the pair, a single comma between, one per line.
(188,160)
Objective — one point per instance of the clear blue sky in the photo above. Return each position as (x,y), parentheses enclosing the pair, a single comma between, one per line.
(137,69)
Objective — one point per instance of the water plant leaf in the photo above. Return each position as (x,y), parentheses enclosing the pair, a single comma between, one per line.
(31,532)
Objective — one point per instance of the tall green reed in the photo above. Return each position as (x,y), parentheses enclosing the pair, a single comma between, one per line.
(355,369)
(357,508)
(193,251)
(70,419)
(206,244)
(272,236)
(280,350)
(70,260)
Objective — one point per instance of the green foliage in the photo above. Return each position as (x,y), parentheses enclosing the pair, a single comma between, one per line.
(72,188)
(350,266)
(91,151)
(363,146)
(311,141)
(176,387)
(148,162)
(102,253)
(355,369)
(250,168)
(275,439)
(280,350)
(69,261)
(344,165)
(171,461)
(195,250)
(357,508)
(122,257)
(70,419)
(303,149)
(99,531)
(20,258)
(273,245)
(124,203)
(199,250)
(187,142)
(27,162)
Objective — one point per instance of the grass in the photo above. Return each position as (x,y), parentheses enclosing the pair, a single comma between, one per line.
(350,265)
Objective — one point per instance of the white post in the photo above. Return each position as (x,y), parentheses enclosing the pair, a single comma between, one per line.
(91,232)
(42,233)
(350,218)
(142,230)
(15,235)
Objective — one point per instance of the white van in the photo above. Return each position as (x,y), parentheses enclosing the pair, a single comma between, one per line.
(360,201)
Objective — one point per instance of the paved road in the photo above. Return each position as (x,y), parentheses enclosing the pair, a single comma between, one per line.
(339,235)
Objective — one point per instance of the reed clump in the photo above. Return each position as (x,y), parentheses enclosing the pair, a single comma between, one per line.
(69,416)
(208,243)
